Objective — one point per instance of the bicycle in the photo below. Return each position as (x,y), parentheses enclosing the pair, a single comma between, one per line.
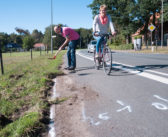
(105,56)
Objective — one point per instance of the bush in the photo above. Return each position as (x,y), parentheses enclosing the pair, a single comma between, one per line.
(138,37)
(121,47)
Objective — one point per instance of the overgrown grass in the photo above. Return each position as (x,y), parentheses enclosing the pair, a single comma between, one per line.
(22,126)
(24,88)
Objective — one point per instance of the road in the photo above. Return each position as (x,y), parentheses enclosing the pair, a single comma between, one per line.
(133,99)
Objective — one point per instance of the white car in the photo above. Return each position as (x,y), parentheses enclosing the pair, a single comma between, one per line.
(91,46)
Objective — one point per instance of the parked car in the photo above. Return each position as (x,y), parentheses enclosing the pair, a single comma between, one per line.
(91,46)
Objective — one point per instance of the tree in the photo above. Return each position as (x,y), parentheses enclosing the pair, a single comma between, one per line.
(14,38)
(146,9)
(22,31)
(56,41)
(121,12)
(85,36)
(129,15)
(4,40)
(165,11)
(37,35)
(28,42)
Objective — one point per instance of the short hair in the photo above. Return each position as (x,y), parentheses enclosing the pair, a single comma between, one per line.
(57,26)
(103,7)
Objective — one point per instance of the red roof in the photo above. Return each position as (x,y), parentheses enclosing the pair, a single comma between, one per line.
(38,45)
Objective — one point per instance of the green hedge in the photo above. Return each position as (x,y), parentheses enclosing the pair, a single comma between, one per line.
(122,46)
(138,37)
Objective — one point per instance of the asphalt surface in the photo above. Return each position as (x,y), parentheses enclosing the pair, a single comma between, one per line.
(133,99)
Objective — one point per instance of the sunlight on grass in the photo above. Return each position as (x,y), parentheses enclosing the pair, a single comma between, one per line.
(21,126)
(23,87)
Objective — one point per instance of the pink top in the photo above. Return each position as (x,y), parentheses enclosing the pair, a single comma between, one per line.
(70,33)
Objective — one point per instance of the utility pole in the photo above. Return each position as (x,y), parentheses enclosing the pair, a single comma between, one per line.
(162,27)
(51,27)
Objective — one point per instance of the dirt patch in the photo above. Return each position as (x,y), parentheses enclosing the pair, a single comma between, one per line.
(69,121)
(16,77)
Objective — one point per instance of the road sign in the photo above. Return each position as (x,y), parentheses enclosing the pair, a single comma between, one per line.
(151,27)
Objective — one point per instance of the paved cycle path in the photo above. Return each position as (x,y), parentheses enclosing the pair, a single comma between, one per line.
(132,101)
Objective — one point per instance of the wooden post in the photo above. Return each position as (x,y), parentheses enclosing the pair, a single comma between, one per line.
(40,50)
(2,69)
(152,48)
(31,55)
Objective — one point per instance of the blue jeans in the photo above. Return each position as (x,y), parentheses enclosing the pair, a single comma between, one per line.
(71,53)
(99,42)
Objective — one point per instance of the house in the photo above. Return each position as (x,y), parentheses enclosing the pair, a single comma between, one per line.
(39,46)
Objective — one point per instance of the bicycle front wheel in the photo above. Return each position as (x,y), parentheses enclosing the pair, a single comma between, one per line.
(107,60)
(96,61)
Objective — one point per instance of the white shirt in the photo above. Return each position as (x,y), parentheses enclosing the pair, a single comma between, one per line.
(102,28)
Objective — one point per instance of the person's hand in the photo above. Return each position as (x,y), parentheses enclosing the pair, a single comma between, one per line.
(54,57)
(113,33)
(96,34)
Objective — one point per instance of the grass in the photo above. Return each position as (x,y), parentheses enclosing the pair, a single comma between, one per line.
(22,126)
(162,50)
(158,49)
(24,89)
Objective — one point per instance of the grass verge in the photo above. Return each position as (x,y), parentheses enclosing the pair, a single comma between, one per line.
(24,91)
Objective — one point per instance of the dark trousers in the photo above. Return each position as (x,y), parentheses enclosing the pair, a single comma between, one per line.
(71,53)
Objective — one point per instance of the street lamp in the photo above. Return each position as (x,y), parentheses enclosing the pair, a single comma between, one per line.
(162,27)
(51,27)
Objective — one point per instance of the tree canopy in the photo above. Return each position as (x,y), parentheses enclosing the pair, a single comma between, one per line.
(28,42)
(129,15)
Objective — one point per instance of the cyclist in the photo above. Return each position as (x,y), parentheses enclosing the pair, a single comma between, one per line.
(72,38)
(101,24)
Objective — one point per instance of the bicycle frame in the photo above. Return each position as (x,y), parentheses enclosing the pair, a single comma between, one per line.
(104,52)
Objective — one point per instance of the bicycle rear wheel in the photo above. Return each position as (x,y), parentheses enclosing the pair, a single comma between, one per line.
(107,60)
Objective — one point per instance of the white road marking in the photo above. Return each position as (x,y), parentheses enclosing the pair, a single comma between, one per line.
(103,116)
(137,72)
(126,107)
(160,73)
(158,97)
(52,132)
(85,118)
(159,106)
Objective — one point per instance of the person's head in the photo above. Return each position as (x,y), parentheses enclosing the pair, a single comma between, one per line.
(103,9)
(57,29)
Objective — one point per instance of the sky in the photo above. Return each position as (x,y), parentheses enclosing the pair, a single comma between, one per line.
(36,14)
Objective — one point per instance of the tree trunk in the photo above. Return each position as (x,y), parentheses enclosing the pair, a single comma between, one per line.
(145,40)
(146,31)
(127,39)
(153,33)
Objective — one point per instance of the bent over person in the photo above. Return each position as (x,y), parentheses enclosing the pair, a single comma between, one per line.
(71,38)
(101,24)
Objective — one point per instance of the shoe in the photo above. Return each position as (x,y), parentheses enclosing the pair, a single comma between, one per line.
(71,68)
(66,68)
(97,55)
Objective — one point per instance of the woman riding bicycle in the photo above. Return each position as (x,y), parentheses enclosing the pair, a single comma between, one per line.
(101,24)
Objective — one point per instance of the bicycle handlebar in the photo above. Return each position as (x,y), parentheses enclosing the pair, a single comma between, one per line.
(103,35)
